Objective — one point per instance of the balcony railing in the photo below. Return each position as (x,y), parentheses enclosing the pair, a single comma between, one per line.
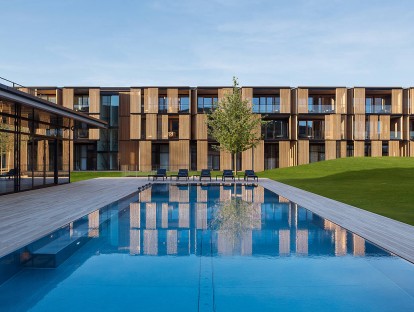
(321,109)
(378,109)
(266,109)
(395,135)
(317,135)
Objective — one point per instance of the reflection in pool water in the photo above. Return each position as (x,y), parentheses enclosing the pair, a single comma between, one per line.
(200,247)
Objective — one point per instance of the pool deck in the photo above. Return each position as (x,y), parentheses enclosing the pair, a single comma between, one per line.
(27,216)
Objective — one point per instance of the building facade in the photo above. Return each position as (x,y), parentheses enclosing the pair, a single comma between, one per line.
(165,127)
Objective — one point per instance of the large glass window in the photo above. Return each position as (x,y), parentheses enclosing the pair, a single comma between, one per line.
(81,103)
(311,129)
(34,148)
(316,152)
(206,103)
(184,104)
(275,130)
(162,104)
(378,104)
(266,104)
(271,155)
(321,104)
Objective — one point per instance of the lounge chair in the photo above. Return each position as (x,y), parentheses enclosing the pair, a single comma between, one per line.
(161,173)
(8,174)
(250,174)
(182,173)
(205,173)
(227,174)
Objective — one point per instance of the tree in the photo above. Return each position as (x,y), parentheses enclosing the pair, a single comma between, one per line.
(233,124)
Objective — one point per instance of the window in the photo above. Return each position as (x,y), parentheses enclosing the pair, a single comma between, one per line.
(206,103)
(275,129)
(378,104)
(311,129)
(184,104)
(269,104)
(81,103)
(48,97)
(321,104)
(162,104)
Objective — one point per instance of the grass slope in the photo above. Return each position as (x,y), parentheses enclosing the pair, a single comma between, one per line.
(383,185)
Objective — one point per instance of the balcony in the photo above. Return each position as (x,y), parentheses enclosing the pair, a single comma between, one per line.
(378,109)
(395,135)
(316,135)
(321,109)
(266,109)
(81,108)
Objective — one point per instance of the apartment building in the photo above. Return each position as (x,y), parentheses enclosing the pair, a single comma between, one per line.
(165,127)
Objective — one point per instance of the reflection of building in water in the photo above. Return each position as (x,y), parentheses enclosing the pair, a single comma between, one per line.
(176,220)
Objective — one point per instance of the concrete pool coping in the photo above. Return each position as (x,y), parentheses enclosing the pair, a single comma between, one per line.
(28,216)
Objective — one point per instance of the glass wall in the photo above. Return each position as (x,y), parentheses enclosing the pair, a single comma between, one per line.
(107,146)
(34,148)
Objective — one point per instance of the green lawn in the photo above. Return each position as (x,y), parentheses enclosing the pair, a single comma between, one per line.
(383,185)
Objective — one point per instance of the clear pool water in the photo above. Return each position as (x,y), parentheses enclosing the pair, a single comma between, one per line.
(204,248)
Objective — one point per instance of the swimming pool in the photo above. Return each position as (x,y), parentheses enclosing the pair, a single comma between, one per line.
(207,248)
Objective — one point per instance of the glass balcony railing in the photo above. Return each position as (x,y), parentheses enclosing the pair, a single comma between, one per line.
(317,135)
(81,108)
(266,109)
(321,109)
(377,109)
(395,135)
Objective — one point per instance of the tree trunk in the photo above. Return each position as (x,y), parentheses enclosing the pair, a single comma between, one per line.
(235,163)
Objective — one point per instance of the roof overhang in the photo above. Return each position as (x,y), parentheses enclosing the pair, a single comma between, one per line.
(11,94)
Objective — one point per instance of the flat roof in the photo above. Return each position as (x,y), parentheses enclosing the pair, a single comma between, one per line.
(12,94)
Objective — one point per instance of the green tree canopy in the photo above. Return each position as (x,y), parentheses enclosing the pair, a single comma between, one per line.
(233,125)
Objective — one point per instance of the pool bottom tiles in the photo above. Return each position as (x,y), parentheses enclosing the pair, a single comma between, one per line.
(206,248)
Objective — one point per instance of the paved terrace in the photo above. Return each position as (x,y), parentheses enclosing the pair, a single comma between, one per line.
(30,215)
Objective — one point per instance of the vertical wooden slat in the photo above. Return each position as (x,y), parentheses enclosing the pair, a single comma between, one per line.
(341,100)
(94,133)
(284,154)
(406,128)
(385,127)
(342,152)
(225,160)
(303,152)
(247,159)
(201,127)
(373,127)
(303,95)
(151,126)
(172,95)
(151,100)
(124,128)
(359,127)
(258,156)
(68,98)
(202,152)
(394,148)
(247,94)
(359,148)
(330,150)
(285,104)
(135,101)
(94,101)
(396,101)
(376,148)
(135,127)
(359,100)
(179,155)
(164,127)
(184,127)
(145,155)
(293,133)
(59,97)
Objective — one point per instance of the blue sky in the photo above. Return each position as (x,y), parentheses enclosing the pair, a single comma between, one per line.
(195,43)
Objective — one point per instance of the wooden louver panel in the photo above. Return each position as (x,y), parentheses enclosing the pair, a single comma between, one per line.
(359,101)
(94,101)
(376,148)
(303,95)
(68,99)
(247,94)
(151,127)
(396,101)
(201,127)
(341,100)
(330,150)
(303,152)
(172,95)
(285,101)
(135,127)
(151,100)
(94,133)
(145,153)
(384,127)
(179,155)
(359,127)
(184,127)
(135,101)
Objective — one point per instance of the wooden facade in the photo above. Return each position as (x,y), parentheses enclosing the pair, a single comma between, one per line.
(349,125)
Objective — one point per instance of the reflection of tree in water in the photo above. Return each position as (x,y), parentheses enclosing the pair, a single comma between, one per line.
(235,218)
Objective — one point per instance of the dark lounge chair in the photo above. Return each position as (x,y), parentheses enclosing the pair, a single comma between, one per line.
(8,174)
(250,174)
(227,174)
(161,173)
(182,173)
(205,173)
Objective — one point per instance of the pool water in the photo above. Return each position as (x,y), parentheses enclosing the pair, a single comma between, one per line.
(205,248)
